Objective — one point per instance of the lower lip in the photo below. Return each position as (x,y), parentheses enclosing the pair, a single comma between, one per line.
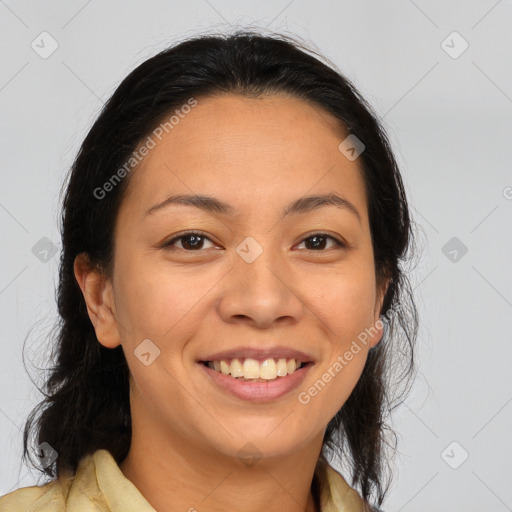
(258,391)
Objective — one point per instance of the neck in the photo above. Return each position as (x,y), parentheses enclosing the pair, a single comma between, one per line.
(171,470)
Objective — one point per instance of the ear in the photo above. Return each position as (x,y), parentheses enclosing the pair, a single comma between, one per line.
(377,328)
(99,298)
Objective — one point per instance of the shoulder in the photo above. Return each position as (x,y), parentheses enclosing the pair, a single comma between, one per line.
(48,497)
(98,484)
(339,495)
(343,496)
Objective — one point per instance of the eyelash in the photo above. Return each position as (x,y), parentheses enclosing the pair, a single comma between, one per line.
(168,244)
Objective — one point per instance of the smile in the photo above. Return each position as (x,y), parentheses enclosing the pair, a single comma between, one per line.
(254,388)
(252,370)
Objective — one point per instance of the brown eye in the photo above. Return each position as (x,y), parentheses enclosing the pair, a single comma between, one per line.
(192,241)
(318,241)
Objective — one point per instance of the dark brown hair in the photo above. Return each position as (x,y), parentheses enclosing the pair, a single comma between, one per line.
(86,405)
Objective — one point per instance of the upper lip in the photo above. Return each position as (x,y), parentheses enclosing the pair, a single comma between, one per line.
(260,354)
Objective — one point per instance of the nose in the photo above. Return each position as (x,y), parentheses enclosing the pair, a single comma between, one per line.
(260,294)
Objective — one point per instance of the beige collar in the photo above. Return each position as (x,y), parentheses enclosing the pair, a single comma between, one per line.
(100,486)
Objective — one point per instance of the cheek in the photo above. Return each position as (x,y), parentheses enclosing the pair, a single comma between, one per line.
(335,377)
(158,395)
(344,300)
(155,300)
(345,304)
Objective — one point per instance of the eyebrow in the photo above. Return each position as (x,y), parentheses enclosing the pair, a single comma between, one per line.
(300,206)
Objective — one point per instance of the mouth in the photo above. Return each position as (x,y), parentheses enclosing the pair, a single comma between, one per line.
(257,370)
(255,380)
(256,374)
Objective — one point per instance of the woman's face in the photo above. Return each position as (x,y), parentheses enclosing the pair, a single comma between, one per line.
(255,281)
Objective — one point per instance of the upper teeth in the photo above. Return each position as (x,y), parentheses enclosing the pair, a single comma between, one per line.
(252,369)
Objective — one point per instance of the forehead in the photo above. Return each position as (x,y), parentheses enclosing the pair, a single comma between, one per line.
(244,150)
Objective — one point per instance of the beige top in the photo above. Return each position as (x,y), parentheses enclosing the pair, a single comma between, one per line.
(100,486)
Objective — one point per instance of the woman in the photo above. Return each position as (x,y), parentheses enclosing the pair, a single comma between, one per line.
(230,292)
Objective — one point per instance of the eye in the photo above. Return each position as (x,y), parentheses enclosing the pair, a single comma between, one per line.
(190,241)
(318,241)
(194,241)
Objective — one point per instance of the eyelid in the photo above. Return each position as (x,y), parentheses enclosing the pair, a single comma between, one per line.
(337,240)
(177,237)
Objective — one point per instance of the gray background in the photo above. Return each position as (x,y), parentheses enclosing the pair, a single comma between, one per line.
(449,119)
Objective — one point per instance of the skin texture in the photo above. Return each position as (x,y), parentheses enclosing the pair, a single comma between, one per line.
(258,155)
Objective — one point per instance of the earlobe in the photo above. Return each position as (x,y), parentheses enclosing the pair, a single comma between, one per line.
(98,295)
(378,325)
(381,294)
